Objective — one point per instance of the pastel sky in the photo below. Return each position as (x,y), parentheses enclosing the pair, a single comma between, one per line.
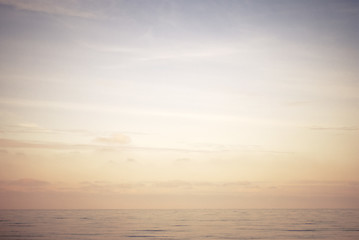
(179,104)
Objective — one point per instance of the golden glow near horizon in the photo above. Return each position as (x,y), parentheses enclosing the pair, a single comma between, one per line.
(179,104)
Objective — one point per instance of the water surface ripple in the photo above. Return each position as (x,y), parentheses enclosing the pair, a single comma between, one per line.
(286,224)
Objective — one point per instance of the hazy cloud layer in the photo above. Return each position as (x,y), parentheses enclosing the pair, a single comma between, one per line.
(141,103)
(117,138)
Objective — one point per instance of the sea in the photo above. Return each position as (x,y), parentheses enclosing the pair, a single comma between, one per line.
(339,224)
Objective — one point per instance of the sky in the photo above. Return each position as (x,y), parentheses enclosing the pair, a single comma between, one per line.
(179,104)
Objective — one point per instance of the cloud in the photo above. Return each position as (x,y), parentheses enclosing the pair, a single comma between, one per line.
(198,52)
(170,186)
(20,128)
(26,128)
(112,109)
(64,7)
(183,160)
(214,147)
(297,103)
(3,151)
(111,48)
(205,186)
(10,143)
(24,184)
(115,142)
(28,182)
(58,105)
(323,188)
(16,193)
(115,139)
(343,128)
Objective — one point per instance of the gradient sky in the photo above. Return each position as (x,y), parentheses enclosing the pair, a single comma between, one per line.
(179,104)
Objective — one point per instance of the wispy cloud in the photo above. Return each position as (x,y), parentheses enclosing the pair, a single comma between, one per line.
(134,55)
(320,188)
(106,187)
(117,138)
(170,186)
(72,106)
(10,143)
(28,182)
(207,185)
(327,187)
(111,48)
(3,151)
(31,128)
(342,128)
(238,148)
(24,184)
(71,8)
(297,103)
(198,53)
(25,128)
(118,143)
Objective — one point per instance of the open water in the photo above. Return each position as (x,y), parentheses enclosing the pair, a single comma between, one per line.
(339,224)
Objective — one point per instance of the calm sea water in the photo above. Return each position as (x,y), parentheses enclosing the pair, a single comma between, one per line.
(179,224)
